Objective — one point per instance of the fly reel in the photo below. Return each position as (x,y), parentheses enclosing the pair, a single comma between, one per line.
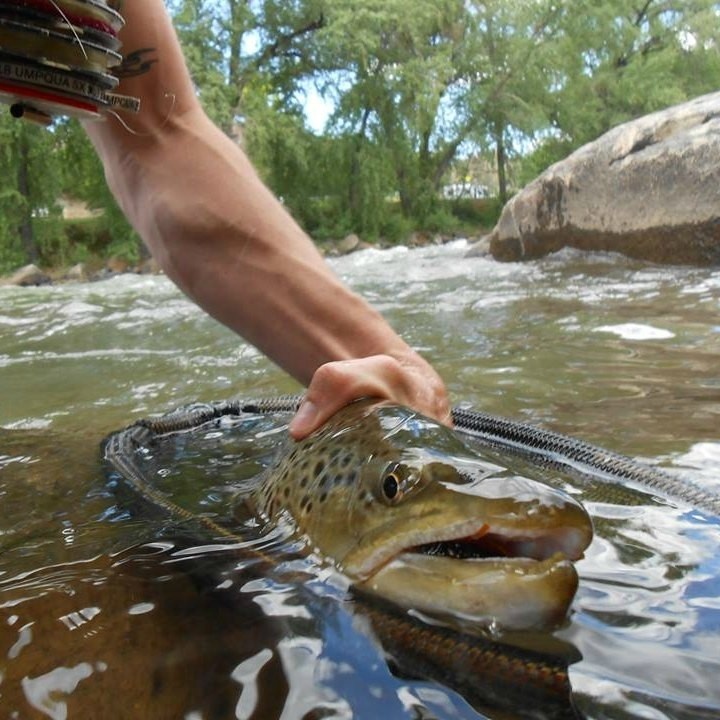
(57,57)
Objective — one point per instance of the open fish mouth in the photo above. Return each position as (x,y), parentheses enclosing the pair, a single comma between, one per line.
(504,578)
(470,542)
(494,543)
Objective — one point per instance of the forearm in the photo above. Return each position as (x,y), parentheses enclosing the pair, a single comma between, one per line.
(195,199)
(218,232)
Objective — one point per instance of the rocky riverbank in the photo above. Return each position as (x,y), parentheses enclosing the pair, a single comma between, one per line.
(31,275)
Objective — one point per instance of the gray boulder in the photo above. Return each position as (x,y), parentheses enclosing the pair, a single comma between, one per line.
(649,189)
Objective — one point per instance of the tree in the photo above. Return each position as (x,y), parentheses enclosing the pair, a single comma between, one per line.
(83,178)
(623,59)
(29,187)
(418,87)
(513,44)
(388,65)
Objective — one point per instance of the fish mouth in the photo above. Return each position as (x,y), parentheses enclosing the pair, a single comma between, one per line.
(468,542)
(506,543)
(501,577)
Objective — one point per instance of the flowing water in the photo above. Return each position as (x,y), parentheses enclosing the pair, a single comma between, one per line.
(101,615)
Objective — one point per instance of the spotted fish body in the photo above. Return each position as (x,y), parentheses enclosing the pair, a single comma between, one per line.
(407,511)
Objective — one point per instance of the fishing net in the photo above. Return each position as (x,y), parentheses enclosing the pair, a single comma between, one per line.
(126,449)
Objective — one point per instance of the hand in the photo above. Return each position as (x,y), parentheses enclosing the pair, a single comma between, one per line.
(408,381)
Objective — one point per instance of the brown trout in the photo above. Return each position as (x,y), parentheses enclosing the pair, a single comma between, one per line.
(407,511)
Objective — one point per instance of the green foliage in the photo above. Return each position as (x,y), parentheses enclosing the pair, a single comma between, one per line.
(29,188)
(84,179)
(423,92)
(474,214)
(618,63)
(549,151)
(395,227)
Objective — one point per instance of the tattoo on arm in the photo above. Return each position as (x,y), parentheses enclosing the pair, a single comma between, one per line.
(138,62)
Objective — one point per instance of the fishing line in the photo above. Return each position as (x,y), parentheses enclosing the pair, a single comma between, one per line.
(136,133)
(71,26)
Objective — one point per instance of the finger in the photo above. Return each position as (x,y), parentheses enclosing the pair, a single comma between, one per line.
(336,384)
(413,383)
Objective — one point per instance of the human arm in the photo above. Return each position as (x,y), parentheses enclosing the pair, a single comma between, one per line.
(225,240)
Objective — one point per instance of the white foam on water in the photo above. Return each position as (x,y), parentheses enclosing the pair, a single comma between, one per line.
(636,331)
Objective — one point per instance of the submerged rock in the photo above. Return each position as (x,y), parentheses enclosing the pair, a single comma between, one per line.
(649,189)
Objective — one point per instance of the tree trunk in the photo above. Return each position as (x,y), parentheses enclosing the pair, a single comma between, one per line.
(25,227)
(355,189)
(501,157)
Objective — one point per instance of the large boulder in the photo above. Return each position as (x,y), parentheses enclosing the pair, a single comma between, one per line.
(649,189)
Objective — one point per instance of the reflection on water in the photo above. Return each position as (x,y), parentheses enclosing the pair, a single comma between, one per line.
(104,615)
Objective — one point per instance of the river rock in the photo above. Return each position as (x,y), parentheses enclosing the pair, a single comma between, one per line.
(117,266)
(149,266)
(350,243)
(29,275)
(649,189)
(479,247)
(77,273)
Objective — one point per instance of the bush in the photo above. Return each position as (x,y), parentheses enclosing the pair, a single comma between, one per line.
(441,220)
(549,152)
(395,227)
(477,213)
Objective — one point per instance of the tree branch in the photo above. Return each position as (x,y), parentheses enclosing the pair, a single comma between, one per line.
(284,42)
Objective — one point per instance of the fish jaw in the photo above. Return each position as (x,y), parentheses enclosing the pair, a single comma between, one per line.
(369,555)
(442,522)
(502,570)
(505,594)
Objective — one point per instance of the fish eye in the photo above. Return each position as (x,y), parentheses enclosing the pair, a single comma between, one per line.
(394,482)
(391,485)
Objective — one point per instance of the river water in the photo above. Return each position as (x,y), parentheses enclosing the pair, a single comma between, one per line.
(98,617)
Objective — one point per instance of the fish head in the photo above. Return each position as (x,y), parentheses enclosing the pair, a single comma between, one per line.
(385,492)
(424,491)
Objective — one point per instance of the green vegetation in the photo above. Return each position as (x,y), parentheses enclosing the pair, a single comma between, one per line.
(425,94)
